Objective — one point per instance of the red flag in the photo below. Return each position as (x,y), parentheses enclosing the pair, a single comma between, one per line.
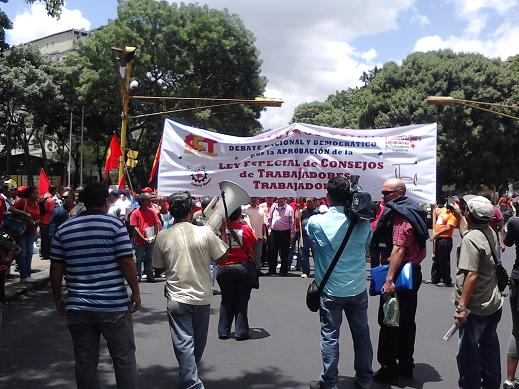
(156,161)
(112,157)
(43,183)
(122,183)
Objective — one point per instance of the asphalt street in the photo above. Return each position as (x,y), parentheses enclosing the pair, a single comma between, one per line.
(36,349)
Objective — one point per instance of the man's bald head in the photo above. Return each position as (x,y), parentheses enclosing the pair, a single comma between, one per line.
(393,189)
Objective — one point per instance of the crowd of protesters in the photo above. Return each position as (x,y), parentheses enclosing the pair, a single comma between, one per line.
(106,238)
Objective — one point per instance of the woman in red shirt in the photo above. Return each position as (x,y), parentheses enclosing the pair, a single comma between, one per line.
(234,282)
(28,208)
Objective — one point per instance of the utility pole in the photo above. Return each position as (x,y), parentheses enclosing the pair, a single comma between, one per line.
(124,58)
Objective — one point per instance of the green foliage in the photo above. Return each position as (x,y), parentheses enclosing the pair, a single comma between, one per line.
(469,140)
(182,51)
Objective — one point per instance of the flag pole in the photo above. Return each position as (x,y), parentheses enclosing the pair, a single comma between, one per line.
(81,146)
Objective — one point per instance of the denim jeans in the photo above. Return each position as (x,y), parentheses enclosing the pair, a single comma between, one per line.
(117,328)
(144,253)
(478,356)
(45,240)
(304,251)
(188,325)
(294,242)
(24,260)
(356,310)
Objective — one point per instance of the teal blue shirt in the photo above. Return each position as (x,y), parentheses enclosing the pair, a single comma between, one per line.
(327,232)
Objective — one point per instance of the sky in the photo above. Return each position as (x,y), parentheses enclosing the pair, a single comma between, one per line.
(312,49)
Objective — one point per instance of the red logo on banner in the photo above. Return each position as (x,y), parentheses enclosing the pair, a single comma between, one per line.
(198,145)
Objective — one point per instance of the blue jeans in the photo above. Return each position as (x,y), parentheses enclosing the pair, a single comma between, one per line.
(144,253)
(25,258)
(117,328)
(478,358)
(356,310)
(304,252)
(188,325)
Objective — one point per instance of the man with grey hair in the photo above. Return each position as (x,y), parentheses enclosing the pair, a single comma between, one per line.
(400,237)
(478,300)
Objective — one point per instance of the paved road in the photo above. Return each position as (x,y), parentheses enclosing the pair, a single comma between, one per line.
(36,350)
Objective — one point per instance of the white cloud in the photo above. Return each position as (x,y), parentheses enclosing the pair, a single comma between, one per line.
(35,23)
(467,8)
(306,45)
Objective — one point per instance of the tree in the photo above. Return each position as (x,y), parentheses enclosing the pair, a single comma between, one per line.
(29,96)
(183,50)
(468,139)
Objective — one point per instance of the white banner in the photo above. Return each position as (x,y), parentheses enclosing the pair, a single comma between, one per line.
(298,160)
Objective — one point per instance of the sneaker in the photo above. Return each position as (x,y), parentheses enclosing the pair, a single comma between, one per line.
(511,384)
(144,277)
(292,267)
(441,284)
(163,275)
(429,282)
(304,275)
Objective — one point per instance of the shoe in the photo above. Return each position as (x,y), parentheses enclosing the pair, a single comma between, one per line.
(405,372)
(151,280)
(511,384)
(223,337)
(284,274)
(144,276)
(240,338)
(429,282)
(385,375)
(304,275)
(163,275)
(440,285)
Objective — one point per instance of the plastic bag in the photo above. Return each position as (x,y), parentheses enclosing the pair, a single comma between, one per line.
(391,312)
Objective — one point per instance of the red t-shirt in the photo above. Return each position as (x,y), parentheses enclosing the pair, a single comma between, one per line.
(143,218)
(3,209)
(50,204)
(497,216)
(248,239)
(33,209)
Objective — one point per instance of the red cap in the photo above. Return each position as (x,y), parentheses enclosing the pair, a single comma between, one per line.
(22,188)
(147,190)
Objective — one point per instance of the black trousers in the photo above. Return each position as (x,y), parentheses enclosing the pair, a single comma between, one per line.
(46,242)
(280,243)
(396,344)
(235,301)
(441,267)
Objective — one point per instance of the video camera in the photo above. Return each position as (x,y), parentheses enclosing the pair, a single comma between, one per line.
(360,202)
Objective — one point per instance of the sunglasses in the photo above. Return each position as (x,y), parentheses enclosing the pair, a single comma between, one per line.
(388,192)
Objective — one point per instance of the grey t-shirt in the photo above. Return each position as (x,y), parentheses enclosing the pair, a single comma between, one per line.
(476,256)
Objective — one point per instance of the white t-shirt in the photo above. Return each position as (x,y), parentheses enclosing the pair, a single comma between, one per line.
(257,220)
(184,251)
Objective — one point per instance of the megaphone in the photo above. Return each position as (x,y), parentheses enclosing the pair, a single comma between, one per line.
(235,196)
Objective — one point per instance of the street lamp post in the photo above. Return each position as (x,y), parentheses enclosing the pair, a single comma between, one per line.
(125,58)
(488,107)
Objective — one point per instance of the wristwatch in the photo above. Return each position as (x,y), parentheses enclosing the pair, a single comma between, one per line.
(460,309)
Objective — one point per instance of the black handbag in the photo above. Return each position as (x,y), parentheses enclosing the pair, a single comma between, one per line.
(313,293)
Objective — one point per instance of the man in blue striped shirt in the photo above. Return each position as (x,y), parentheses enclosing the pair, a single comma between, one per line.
(95,254)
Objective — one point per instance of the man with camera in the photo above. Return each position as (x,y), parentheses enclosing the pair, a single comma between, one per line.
(184,251)
(346,287)
(400,236)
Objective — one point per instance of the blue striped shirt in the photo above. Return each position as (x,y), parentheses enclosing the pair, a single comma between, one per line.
(91,246)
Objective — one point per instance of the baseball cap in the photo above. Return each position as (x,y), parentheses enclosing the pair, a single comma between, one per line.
(180,200)
(479,207)
(147,190)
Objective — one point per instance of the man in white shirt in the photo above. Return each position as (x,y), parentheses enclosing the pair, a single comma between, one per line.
(184,251)
(256,220)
